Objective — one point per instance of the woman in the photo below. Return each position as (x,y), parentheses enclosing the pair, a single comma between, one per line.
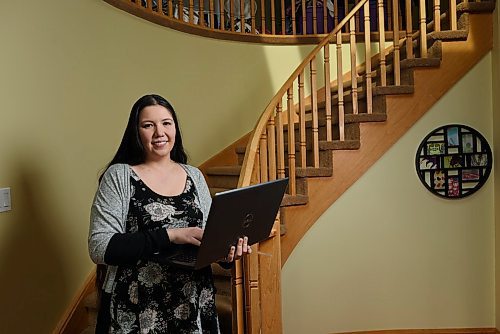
(149,199)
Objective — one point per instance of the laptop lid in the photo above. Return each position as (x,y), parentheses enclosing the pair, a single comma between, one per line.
(248,211)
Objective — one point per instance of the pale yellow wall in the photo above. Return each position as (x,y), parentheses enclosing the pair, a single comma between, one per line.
(389,254)
(69,74)
(496,128)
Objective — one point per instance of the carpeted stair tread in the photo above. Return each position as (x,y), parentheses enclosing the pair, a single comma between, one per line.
(393,90)
(241,150)
(311,171)
(233,170)
(365,118)
(289,200)
(321,122)
(90,301)
(340,145)
(419,62)
(476,7)
(376,91)
(448,35)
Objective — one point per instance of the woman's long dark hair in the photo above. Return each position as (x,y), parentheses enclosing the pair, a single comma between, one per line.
(131,151)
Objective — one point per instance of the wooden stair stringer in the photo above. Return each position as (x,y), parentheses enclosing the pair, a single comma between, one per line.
(376,138)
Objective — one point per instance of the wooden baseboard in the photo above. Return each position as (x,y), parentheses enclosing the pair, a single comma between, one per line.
(430,331)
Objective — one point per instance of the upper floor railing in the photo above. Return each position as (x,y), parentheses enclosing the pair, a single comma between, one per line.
(280,21)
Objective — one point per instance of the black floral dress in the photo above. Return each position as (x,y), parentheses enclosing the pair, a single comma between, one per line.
(153,297)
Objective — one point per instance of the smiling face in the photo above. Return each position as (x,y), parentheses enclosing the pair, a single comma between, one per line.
(157,132)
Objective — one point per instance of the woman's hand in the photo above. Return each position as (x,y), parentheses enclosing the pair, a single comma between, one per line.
(187,235)
(236,252)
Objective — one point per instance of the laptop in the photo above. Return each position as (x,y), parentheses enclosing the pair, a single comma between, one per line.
(248,211)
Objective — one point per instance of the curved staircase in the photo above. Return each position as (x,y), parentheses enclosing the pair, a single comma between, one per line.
(347,143)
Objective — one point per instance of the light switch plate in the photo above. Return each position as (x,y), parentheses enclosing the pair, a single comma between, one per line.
(5,202)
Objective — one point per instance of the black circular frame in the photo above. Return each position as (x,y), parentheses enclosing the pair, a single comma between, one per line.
(453,161)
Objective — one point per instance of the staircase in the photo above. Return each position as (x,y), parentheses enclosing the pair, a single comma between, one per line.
(326,141)
(335,147)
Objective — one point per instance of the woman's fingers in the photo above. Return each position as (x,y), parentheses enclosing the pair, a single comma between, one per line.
(230,255)
(241,249)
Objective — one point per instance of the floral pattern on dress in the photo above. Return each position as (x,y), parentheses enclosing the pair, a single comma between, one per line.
(153,297)
(159,211)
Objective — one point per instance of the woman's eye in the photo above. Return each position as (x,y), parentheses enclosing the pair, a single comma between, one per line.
(147,126)
(167,123)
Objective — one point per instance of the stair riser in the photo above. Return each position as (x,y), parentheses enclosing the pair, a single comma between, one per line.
(351,130)
(378,106)
(406,77)
(223,181)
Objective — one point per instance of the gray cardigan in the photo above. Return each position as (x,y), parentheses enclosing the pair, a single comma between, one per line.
(109,210)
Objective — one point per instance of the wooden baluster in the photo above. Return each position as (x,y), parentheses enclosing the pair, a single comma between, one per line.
(409,31)
(315,18)
(437,15)
(346,11)
(325,17)
(381,29)
(160,7)
(273,18)
(211,14)
(354,74)
(357,19)
(294,28)
(302,122)
(291,142)
(304,21)
(314,104)
(340,87)
(283,28)
(222,15)
(149,4)
(280,141)
(191,10)
(368,58)
(263,16)
(328,92)
(138,3)
(395,42)
(400,17)
(201,12)
(335,13)
(170,8)
(423,31)
(453,14)
(238,292)
(252,16)
(242,16)
(271,148)
(181,10)
(231,14)
(264,177)
(389,15)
